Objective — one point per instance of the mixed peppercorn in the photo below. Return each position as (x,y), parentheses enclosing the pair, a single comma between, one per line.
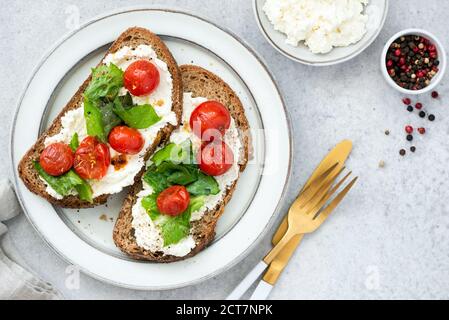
(422,114)
(412,62)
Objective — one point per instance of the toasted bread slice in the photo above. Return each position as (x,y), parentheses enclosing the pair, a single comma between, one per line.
(132,37)
(201,83)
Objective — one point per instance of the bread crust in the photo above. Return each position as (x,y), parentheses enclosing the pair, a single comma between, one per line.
(204,83)
(131,37)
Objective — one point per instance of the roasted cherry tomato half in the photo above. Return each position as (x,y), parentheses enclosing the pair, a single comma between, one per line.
(215,158)
(173,201)
(127,140)
(210,120)
(141,78)
(92,159)
(56,159)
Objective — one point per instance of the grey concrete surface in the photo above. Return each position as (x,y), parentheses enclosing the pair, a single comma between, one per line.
(388,239)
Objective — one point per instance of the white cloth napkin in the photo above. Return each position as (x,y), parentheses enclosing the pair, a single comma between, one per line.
(15,281)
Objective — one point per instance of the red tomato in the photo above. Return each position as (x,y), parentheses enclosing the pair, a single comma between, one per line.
(173,201)
(92,159)
(141,78)
(210,120)
(127,140)
(56,159)
(215,158)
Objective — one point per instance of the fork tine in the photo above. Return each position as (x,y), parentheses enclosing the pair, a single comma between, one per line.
(333,190)
(321,217)
(318,203)
(322,193)
(338,185)
(315,186)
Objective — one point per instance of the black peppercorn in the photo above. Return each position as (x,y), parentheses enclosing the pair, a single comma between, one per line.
(412,148)
(431,117)
(402,152)
(409,137)
(422,114)
(410,109)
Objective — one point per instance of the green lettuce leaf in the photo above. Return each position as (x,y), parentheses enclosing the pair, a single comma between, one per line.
(180,174)
(196,203)
(157,180)
(205,185)
(66,183)
(74,142)
(98,101)
(168,174)
(100,118)
(94,120)
(182,153)
(174,229)
(135,116)
(106,83)
(110,119)
(84,190)
(150,205)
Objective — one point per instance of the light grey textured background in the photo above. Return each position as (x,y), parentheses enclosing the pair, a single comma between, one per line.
(390,237)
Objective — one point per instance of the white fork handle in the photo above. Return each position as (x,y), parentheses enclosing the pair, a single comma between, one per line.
(262,291)
(244,285)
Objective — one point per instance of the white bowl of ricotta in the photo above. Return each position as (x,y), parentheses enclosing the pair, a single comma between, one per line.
(320,32)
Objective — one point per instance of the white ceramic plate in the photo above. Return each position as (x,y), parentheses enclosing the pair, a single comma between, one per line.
(84,239)
(377,13)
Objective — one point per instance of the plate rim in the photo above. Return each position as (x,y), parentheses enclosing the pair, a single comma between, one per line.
(324,63)
(127,9)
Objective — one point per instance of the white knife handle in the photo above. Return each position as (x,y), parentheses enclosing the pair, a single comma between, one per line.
(262,291)
(244,285)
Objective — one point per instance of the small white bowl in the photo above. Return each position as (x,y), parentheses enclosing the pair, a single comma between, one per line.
(376,10)
(441,57)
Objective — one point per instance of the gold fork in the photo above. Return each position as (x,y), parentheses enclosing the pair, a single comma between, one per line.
(312,220)
(318,188)
(338,154)
(302,216)
(278,264)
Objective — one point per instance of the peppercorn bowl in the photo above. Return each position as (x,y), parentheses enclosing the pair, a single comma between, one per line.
(413,61)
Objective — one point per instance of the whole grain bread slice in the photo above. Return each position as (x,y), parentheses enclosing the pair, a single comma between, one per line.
(132,37)
(202,83)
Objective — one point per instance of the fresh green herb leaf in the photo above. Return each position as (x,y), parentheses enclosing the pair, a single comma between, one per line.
(158,181)
(135,116)
(196,203)
(74,142)
(106,83)
(168,174)
(61,184)
(84,190)
(164,154)
(174,229)
(181,174)
(100,118)
(150,205)
(65,183)
(98,100)
(174,153)
(110,119)
(205,185)
(94,120)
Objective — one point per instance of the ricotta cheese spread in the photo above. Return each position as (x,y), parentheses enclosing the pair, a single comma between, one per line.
(147,233)
(321,24)
(161,99)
